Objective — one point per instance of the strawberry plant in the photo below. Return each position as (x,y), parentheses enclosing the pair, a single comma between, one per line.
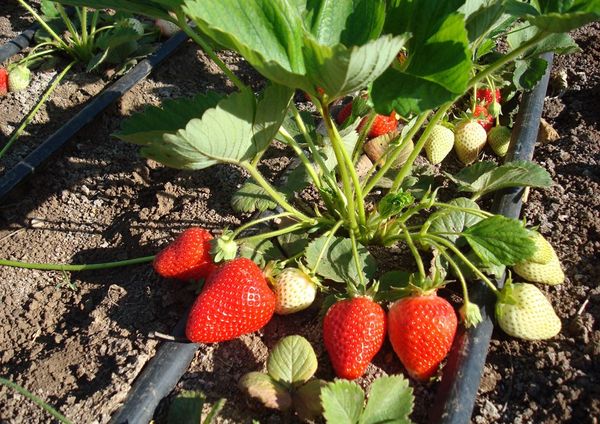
(350,49)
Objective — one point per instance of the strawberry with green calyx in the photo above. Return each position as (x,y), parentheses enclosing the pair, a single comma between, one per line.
(469,139)
(295,288)
(18,78)
(353,332)
(421,328)
(187,257)
(224,248)
(236,300)
(3,82)
(523,311)
(439,144)
(544,266)
(486,96)
(499,139)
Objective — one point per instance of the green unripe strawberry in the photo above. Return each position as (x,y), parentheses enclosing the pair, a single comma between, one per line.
(469,140)
(295,291)
(134,24)
(18,78)
(499,139)
(523,311)
(549,273)
(544,252)
(439,144)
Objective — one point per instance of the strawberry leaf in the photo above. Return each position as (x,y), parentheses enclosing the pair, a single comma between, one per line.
(450,223)
(250,198)
(292,361)
(307,401)
(500,241)
(364,23)
(260,251)
(390,400)
(334,260)
(342,401)
(484,177)
(327,19)
(186,408)
(152,8)
(148,126)
(262,387)
(340,70)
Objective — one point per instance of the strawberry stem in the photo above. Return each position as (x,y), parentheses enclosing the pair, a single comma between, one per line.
(437,241)
(276,233)
(252,223)
(358,148)
(330,235)
(472,211)
(71,267)
(356,257)
(309,167)
(411,245)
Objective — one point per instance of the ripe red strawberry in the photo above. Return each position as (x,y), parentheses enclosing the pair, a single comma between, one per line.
(483,117)
(485,96)
(382,125)
(353,332)
(235,300)
(3,82)
(421,330)
(344,113)
(187,257)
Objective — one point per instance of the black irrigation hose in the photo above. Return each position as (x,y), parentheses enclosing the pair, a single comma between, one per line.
(462,374)
(18,43)
(87,114)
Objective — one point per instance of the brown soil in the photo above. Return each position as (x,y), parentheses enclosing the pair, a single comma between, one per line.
(79,340)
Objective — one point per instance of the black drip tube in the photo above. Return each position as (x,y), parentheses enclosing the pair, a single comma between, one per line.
(89,112)
(18,43)
(462,374)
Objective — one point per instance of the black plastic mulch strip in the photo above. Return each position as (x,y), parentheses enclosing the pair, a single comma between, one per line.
(463,371)
(28,165)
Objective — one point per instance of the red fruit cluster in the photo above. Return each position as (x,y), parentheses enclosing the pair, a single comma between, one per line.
(486,96)
(187,257)
(235,300)
(3,82)
(353,332)
(381,125)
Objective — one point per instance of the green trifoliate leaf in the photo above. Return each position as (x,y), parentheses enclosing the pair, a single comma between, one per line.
(151,8)
(343,402)
(394,203)
(557,16)
(328,19)
(293,243)
(450,223)
(499,240)
(482,16)
(390,401)
(307,400)
(364,23)
(292,361)
(270,112)
(260,251)
(484,177)
(339,70)
(336,262)
(250,198)
(186,408)
(148,126)
(262,387)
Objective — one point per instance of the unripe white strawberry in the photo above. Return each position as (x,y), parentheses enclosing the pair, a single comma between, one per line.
(549,273)
(523,311)
(294,289)
(439,144)
(499,139)
(166,28)
(18,78)
(469,140)
(544,252)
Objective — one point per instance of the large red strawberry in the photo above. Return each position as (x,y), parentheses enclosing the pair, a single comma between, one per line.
(353,332)
(3,82)
(235,300)
(381,125)
(421,330)
(187,257)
